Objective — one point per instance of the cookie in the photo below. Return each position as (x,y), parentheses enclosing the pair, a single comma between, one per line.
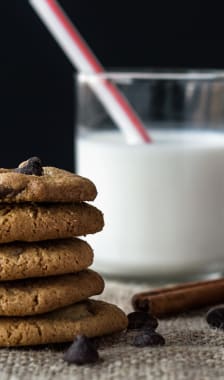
(21,260)
(54,185)
(34,222)
(91,318)
(41,295)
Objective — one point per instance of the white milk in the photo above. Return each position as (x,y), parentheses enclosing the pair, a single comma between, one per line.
(163,203)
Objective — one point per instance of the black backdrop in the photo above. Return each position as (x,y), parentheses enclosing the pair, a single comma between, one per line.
(36,79)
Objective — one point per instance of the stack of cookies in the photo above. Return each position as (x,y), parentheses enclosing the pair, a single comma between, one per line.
(45,282)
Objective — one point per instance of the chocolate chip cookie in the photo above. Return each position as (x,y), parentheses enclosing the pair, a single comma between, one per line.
(35,222)
(31,182)
(41,295)
(90,318)
(21,260)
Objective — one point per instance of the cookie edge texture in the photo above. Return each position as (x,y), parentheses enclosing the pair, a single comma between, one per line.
(106,319)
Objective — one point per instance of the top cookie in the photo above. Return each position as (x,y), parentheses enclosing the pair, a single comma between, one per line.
(31,182)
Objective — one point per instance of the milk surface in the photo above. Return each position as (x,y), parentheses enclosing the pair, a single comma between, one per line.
(163,203)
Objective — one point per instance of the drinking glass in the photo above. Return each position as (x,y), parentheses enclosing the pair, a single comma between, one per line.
(163,201)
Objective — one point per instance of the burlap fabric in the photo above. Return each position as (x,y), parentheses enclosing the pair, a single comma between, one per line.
(193,351)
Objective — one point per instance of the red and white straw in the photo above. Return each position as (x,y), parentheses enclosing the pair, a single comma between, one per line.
(85,61)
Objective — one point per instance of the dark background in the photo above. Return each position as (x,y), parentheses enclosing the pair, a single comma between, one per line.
(36,79)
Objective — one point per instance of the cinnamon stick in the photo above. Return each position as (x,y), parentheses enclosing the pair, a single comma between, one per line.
(180,298)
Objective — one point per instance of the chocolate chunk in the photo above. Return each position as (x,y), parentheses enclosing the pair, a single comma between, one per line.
(148,338)
(215,317)
(141,319)
(82,351)
(33,166)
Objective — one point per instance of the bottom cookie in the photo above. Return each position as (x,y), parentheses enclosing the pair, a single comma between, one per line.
(91,318)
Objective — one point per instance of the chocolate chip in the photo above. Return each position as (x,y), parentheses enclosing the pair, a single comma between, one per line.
(215,317)
(141,319)
(148,338)
(82,351)
(151,324)
(33,166)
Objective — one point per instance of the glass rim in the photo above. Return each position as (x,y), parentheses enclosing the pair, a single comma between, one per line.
(159,74)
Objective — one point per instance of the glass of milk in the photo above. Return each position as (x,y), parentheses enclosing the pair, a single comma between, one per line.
(163,202)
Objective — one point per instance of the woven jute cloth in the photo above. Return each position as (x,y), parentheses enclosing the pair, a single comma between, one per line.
(193,351)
